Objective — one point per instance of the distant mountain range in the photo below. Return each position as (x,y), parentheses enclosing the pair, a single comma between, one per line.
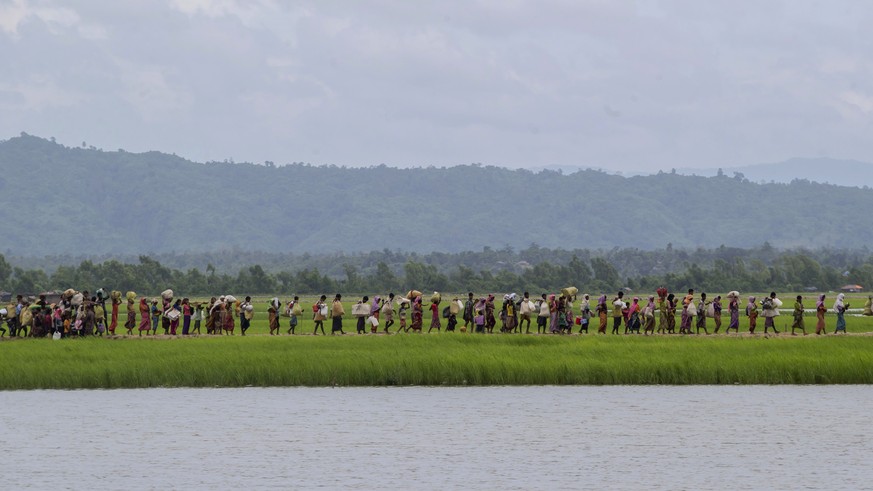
(61,200)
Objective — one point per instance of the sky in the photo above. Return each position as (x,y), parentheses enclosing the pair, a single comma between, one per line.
(616,85)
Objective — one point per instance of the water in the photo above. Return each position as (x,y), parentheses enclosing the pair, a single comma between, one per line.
(440,438)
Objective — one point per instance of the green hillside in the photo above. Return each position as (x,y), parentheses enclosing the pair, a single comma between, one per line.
(61,200)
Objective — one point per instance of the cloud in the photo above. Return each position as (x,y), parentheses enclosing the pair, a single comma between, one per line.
(11,15)
(249,12)
(621,85)
(148,90)
(57,20)
(38,95)
(862,102)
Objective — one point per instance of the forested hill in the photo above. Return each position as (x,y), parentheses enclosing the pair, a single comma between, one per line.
(60,200)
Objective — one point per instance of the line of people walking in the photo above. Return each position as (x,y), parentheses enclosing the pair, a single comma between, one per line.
(81,314)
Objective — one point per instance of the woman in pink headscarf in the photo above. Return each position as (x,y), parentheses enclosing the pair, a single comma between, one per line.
(417,314)
(820,310)
(145,323)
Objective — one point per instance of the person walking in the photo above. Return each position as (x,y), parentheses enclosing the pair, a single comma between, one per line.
(585,314)
(113,319)
(820,311)
(293,310)
(716,312)
(798,317)
(840,308)
(671,314)
(734,312)
(273,317)
(361,323)
(752,313)
(388,311)
(337,312)
(468,311)
(542,314)
(247,313)
(770,308)
(525,313)
(649,317)
(435,316)
(701,314)
(198,317)
(618,306)
(319,314)
(662,311)
(145,315)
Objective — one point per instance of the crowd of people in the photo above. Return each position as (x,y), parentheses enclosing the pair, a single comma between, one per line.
(83,314)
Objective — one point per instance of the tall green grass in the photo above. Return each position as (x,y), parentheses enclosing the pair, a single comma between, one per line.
(446,359)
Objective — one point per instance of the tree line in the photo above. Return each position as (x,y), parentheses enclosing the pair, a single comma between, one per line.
(786,271)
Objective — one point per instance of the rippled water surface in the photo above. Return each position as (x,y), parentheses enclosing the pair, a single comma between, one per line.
(440,438)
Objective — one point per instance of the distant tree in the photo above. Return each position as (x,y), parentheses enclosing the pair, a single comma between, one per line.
(29,281)
(5,270)
(580,273)
(423,277)
(604,272)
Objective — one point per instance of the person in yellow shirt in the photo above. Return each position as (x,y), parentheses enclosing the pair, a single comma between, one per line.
(617,314)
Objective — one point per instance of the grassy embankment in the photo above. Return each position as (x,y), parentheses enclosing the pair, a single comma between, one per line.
(445,359)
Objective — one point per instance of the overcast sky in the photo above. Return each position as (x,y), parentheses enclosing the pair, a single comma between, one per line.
(621,85)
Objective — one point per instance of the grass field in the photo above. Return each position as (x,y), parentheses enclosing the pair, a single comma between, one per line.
(437,359)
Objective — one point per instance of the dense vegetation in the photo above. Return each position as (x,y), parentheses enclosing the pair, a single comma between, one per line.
(533,269)
(59,200)
(447,359)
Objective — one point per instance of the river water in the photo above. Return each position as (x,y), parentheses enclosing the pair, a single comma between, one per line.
(440,438)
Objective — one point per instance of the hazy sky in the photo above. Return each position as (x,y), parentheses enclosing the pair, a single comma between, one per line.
(634,85)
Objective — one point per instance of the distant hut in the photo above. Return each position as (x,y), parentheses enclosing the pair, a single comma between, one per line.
(5,296)
(851,288)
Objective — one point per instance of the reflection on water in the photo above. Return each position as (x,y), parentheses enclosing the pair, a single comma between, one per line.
(440,438)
